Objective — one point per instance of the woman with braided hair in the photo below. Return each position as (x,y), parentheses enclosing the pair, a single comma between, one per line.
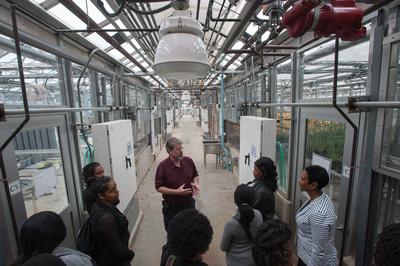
(264,185)
(272,245)
(239,232)
(90,173)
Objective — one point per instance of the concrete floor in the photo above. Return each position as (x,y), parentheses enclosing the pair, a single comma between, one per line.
(215,200)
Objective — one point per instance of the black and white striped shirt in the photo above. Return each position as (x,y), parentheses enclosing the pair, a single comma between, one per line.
(315,231)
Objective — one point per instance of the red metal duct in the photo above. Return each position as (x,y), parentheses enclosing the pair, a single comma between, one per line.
(339,17)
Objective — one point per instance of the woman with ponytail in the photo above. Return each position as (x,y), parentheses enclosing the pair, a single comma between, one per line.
(239,232)
(264,185)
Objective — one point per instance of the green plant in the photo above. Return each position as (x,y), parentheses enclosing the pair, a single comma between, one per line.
(326,138)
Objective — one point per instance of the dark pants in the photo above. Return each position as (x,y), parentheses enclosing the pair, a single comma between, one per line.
(170,209)
(301,263)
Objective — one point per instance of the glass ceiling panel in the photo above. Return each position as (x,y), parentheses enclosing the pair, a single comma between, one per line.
(265,36)
(107,7)
(67,17)
(145,64)
(125,61)
(8,58)
(261,15)
(94,12)
(238,45)
(237,63)
(98,41)
(109,27)
(232,67)
(120,24)
(135,43)
(136,68)
(251,29)
(38,1)
(128,47)
(116,54)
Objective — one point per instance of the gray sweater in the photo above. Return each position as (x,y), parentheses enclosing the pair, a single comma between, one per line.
(235,242)
(72,257)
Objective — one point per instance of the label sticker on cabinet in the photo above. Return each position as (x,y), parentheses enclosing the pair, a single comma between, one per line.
(14,187)
(253,151)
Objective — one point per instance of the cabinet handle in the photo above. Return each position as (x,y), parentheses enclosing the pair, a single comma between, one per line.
(247,159)
(128,161)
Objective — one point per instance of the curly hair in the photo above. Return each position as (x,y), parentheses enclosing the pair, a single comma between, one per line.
(189,234)
(387,249)
(88,173)
(100,185)
(271,244)
(268,169)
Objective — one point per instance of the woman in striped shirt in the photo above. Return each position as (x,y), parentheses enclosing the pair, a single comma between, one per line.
(316,221)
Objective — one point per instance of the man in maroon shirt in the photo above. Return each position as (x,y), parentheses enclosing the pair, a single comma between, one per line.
(177,180)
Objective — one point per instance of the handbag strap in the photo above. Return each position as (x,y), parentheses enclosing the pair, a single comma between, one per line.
(170,261)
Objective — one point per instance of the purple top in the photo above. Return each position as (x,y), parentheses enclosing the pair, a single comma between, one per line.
(171,176)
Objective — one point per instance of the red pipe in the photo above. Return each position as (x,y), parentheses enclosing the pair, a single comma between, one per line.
(340,18)
(299,18)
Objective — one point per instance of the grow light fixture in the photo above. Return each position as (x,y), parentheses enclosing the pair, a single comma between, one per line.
(181,53)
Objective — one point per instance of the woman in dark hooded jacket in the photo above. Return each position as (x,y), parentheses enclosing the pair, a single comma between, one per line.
(264,185)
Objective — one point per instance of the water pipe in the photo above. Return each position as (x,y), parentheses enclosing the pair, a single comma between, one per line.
(221,119)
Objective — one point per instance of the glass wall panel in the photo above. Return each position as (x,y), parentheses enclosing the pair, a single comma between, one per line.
(41,71)
(255,96)
(142,123)
(106,91)
(83,96)
(131,96)
(316,72)
(326,138)
(40,169)
(232,131)
(391,137)
(283,117)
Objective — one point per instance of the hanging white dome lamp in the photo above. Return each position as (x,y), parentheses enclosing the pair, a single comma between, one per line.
(181,53)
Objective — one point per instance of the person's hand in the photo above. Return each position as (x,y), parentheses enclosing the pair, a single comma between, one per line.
(195,188)
(183,191)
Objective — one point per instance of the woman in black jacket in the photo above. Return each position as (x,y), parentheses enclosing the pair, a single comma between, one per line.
(110,226)
(264,186)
